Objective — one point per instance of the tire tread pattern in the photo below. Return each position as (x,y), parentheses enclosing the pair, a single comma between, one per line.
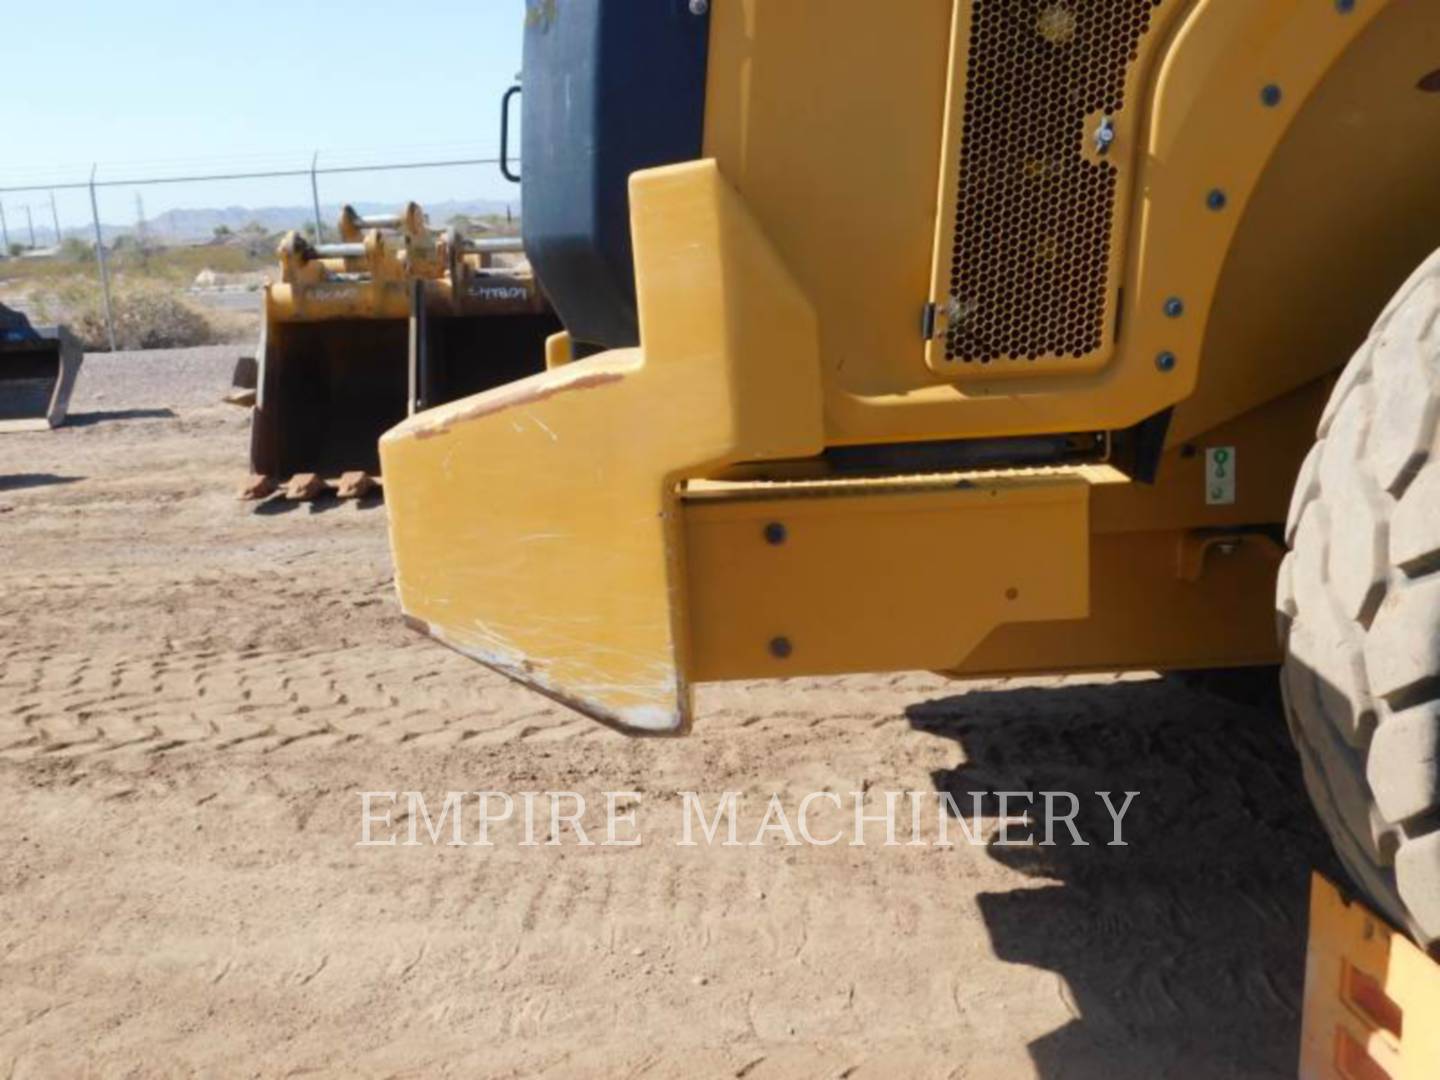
(1358,610)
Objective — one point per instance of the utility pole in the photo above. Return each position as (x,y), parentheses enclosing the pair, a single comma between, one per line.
(139,220)
(100,258)
(55,218)
(30,219)
(315,195)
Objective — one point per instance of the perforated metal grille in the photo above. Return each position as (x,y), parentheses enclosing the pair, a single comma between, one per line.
(1034,210)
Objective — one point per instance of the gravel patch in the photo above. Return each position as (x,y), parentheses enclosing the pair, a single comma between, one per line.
(155,379)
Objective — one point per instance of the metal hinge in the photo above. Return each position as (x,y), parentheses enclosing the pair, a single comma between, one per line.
(928,320)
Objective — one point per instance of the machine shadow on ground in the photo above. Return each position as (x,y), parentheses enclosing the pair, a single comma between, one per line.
(23,481)
(324,504)
(90,419)
(1202,914)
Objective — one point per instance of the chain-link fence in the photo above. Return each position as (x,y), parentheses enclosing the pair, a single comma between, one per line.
(75,245)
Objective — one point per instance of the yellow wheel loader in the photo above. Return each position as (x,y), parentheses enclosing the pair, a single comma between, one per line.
(38,367)
(358,334)
(980,336)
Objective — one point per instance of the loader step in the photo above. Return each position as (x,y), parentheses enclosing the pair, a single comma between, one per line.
(830,576)
(1371,996)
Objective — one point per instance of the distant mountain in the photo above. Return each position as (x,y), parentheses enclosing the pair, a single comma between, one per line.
(190,225)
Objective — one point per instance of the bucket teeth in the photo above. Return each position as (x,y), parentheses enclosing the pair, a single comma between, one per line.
(355,485)
(304,487)
(259,486)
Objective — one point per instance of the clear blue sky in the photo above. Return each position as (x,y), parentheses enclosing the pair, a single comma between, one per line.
(149,87)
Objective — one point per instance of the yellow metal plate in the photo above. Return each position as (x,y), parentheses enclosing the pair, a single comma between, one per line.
(535,528)
(881,576)
(1371,997)
(853,197)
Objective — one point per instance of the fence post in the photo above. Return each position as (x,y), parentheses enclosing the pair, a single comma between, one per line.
(315,195)
(100,258)
(55,217)
(5,230)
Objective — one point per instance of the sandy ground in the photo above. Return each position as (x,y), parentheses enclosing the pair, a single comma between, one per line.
(192,693)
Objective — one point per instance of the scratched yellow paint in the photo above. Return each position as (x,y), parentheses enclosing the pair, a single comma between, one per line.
(535,528)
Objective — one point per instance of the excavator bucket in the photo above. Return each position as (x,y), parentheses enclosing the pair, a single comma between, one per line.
(359,334)
(481,326)
(38,366)
(326,389)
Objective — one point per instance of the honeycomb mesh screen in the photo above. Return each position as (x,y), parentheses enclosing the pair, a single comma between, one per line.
(1034,211)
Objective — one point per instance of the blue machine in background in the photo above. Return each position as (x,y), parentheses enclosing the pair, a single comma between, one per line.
(38,366)
(609,89)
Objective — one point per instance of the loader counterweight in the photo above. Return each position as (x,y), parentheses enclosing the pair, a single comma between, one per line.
(529,537)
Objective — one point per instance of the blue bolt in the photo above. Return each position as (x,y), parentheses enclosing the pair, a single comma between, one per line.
(1174,307)
(1345,7)
(1217,200)
(1271,95)
(1165,361)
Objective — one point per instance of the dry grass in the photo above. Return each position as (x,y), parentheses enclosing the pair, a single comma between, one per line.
(145,318)
(147,292)
(175,265)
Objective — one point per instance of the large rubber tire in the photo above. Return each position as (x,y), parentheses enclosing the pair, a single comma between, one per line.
(1358,603)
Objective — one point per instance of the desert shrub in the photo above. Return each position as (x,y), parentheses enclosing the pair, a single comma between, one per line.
(145,318)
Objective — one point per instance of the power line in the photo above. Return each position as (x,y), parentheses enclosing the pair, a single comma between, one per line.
(14,173)
(329,170)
